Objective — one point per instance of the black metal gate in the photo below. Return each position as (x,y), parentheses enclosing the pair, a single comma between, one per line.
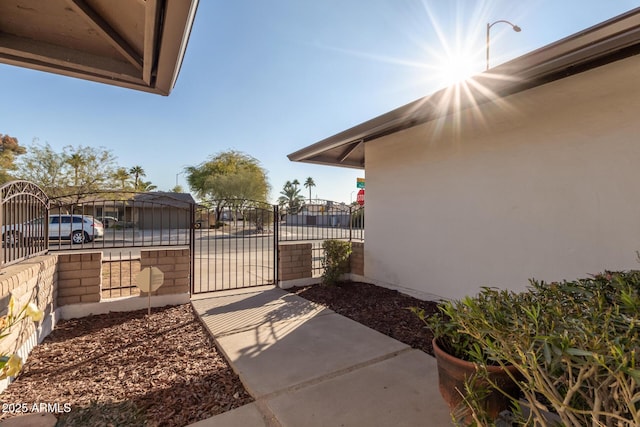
(234,244)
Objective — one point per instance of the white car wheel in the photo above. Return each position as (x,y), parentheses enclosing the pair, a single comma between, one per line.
(78,237)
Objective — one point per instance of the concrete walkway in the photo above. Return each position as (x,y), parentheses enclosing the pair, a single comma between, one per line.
(308,366)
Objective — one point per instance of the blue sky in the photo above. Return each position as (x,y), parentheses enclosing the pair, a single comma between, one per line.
(270,77)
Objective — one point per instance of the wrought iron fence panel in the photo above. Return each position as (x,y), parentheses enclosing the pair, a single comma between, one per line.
(321,220)
(120,220)
(24,207)
(234,245)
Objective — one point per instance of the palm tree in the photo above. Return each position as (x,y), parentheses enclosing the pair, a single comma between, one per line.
(75,161)
(146,186)
(291,198)
(137,172)
(309,183)
(121,175)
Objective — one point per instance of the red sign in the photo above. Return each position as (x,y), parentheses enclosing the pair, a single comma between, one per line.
(360,198)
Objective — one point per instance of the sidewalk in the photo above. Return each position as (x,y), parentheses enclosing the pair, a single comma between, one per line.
(308,366)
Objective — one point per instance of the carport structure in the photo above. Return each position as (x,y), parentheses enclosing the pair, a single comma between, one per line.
(136,44)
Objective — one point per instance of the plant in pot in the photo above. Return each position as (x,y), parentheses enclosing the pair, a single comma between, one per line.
(574,343)
(572,348)
(478,387)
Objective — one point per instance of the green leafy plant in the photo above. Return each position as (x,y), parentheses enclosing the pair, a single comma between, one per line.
(575,344)
(448,332)
(476,386)
(335,260)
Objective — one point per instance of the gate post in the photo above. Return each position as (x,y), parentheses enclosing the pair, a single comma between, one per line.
(276,239)
(350,221)
(192,247)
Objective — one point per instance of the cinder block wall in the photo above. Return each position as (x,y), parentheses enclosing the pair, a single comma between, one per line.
(34,281)
(357,258)
(294,261)
(174,263)
(79,278)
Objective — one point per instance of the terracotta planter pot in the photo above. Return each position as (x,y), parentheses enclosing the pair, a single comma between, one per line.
(452,373)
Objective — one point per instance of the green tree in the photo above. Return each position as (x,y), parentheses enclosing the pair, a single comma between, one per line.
(121,176)
(76,170)
(137,172)
(308,184)
(146,186)
(88,169)
(229,178)
(43,166)
(9,150)
(291,198)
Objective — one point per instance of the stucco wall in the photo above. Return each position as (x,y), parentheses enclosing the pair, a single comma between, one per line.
(543,184)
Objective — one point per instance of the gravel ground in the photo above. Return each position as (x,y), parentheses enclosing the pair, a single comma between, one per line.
(127,369)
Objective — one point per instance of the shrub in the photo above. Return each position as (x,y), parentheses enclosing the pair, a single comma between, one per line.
(576,345)
(336,260)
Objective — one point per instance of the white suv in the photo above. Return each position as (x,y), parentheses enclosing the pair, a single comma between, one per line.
(77,228)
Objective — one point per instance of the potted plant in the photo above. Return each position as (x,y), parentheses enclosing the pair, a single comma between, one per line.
(570,348)
(476,385)
(574,343)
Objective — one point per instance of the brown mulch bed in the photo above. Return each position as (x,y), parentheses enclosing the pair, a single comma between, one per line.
(382,309)
(126,369)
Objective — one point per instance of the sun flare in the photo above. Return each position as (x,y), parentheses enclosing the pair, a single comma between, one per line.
(454,68)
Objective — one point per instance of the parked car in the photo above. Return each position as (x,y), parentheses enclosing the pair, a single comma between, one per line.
(17,234)
(77,228)
(108,221)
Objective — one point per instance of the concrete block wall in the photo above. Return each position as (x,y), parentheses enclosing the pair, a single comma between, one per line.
(174,263)
(79,278)
(32,280)
(294,261)
(356,259)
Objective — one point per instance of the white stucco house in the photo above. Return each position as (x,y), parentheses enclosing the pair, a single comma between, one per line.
(529,170)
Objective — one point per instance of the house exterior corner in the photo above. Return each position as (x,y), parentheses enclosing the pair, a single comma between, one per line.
(541,184)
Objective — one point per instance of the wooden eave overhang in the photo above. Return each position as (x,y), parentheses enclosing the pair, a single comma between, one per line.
(136,44)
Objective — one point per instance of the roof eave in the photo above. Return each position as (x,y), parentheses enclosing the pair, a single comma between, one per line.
(606,42)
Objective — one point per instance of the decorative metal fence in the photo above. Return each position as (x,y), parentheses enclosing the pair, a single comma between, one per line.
(112,220)
(318,220)
(120,225)
(119,272)
(24,207)
(321,220)
(234,245)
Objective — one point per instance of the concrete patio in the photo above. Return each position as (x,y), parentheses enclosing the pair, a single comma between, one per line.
(307,365)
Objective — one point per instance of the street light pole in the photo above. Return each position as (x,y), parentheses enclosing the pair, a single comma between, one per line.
(179,173)
(351,197)
(515,28)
